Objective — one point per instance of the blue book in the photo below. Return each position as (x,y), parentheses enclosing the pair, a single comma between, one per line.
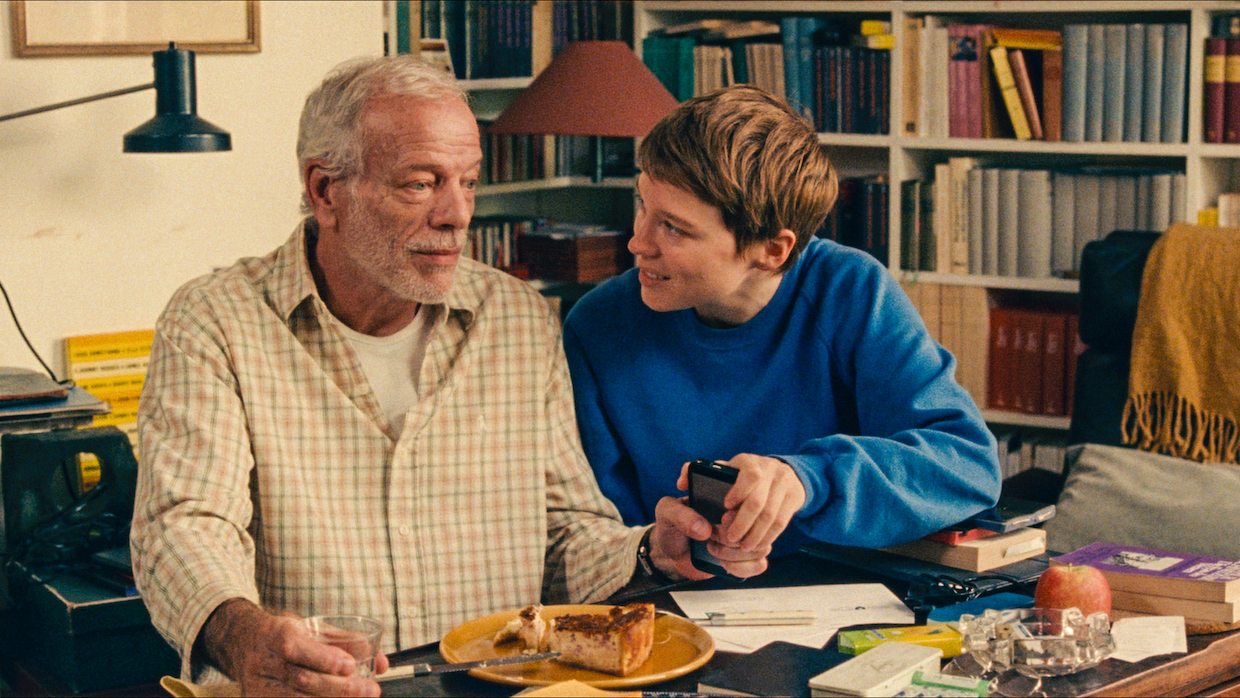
(1151,128)
(1075,57)
(1134,84)
(790,28)
(1113,81)
(1175,82)
(806,26)
(1095,83)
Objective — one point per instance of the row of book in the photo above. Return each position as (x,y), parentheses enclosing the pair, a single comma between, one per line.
(522,157)
(506,38)
(1032,360)
(1226,214)
(1220,100)
(1021,450)
(836,72)
(1031,223)
(1086,82)
(860,217)
(1010,358)
(493,240)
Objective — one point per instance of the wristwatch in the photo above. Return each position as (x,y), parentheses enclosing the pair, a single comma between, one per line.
(645,562)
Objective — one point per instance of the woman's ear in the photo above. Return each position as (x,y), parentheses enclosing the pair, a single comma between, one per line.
(772,254)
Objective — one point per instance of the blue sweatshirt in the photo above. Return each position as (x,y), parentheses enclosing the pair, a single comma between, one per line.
(837,376)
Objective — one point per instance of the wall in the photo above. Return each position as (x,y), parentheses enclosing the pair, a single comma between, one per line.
(95,240)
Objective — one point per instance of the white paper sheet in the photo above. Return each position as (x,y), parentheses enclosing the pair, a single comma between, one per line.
(1148,636)
(836,606)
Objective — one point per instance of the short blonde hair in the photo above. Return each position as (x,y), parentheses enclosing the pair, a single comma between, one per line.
(748,153)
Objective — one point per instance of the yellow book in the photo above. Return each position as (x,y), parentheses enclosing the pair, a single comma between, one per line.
(96,347)
(883,41)
(1034,39)
(872,27)
(1011,96)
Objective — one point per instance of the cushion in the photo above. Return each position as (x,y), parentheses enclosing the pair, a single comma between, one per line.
(1121,495)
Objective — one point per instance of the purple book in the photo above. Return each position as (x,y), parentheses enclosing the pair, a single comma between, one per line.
(1160,572)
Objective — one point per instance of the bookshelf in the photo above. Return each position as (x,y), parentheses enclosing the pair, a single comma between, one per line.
(898,155)
(558,187)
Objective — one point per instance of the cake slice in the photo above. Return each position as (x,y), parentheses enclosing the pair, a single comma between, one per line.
(529,627)
(616,642)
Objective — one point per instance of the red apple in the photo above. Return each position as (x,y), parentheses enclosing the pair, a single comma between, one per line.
(1065,586)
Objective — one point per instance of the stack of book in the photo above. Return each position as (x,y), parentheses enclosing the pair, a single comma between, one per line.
(112,367)
(995,538)
(1162,582)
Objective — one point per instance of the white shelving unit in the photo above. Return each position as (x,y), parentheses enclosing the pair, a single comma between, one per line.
(1209,168)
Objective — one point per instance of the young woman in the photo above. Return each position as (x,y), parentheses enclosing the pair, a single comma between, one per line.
(740,337)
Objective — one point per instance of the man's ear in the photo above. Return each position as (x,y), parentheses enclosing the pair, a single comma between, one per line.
(320,191)
(772,254)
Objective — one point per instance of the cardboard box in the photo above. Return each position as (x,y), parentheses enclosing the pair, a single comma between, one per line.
(87,635)
(587,257)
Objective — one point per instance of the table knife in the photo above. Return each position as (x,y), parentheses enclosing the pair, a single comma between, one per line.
(425,669)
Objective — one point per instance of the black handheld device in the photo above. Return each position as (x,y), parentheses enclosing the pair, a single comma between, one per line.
(709,483)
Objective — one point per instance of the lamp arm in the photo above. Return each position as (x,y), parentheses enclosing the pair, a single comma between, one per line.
(80,100)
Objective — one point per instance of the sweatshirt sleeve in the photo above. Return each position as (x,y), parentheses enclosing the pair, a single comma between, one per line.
(613,467)
(921,459)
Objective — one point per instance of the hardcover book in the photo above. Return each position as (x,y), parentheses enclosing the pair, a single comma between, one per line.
(977,555)
(1160,572)
(1219,611)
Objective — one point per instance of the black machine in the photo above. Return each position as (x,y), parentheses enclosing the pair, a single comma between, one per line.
(50,517)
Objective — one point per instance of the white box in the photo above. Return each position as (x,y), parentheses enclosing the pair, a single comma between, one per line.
(881,671)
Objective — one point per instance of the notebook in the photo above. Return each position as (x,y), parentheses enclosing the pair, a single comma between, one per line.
(19,386)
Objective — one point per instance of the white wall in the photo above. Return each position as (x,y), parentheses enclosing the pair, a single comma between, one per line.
(95,240)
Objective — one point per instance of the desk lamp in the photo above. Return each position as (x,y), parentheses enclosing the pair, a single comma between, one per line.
(176,127)
(592,88)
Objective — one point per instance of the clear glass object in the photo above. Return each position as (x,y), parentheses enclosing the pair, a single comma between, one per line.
(1036,642)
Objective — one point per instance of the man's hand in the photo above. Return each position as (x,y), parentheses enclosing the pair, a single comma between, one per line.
(766,496)
(273,655)
(675,524)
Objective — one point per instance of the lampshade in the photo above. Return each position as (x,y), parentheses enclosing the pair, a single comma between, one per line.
(176,127)
(592,88)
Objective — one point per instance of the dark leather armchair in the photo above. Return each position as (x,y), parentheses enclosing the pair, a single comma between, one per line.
(1111,270)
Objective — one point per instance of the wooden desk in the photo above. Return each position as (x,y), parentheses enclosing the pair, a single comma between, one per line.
(1211,667)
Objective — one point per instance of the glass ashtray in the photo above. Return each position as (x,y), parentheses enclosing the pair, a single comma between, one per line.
(1037,642)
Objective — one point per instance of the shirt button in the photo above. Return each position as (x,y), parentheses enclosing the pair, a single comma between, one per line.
(405,530)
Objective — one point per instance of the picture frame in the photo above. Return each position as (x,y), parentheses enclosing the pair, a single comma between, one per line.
(115,27)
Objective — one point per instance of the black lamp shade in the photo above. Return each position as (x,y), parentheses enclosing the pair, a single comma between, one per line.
(176,127)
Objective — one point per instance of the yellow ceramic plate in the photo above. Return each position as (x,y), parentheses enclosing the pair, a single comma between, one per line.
(679,647)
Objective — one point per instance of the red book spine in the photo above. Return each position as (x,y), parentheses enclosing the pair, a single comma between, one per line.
(1231,93)
(1054,356)
(1213,95)
(999,396)
(1030,362)
(1075,348)
(1052,94)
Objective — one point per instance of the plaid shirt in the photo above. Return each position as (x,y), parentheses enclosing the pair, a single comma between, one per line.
(269,472)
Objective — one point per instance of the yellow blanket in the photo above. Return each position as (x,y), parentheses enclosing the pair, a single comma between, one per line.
(1184,387)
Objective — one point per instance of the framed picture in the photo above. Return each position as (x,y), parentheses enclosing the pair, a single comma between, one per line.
(107,27)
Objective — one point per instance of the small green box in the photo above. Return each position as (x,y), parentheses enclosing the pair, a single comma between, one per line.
(943,637)
(87,635)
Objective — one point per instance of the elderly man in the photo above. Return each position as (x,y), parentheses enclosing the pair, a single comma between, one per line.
(361,422)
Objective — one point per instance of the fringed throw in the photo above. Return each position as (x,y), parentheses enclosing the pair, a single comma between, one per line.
(1184,387)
